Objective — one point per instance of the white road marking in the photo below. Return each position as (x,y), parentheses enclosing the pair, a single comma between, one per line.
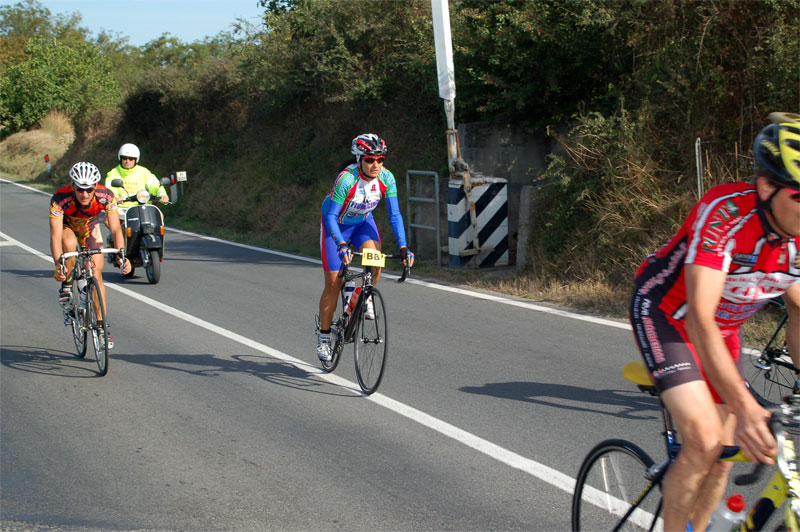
(540,471)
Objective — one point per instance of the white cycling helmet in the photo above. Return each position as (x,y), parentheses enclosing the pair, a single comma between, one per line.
(129,150)
(84,175)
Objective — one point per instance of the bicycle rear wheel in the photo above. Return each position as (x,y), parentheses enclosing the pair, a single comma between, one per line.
(769,371)
(371,344)
(76,320)
(98,329)
(611,479)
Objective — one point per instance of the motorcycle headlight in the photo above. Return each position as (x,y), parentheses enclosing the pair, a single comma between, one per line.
(143,196)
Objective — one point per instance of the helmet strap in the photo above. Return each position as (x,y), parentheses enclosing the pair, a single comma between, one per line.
(766,206)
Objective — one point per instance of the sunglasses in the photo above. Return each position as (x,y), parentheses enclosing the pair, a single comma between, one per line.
(794,194)
(84,190)
(370,160)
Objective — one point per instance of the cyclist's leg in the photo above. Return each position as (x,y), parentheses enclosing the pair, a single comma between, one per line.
(365,236)
(702,435)
(331,266)
(713,488)
(69,243)
(676,372)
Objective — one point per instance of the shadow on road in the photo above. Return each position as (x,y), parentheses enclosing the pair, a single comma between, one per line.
(44,362)
(261,366)
(626,404)
(39,274)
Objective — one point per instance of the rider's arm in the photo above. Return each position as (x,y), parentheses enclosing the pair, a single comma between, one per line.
(56,233)
(154,186)
(119,193)
(704,287)
(792,300)
(396,221)
(331,220)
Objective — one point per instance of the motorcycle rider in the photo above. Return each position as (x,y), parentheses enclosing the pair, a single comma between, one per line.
(74,213)
(134,177)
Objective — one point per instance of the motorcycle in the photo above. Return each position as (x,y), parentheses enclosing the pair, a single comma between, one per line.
(143,228)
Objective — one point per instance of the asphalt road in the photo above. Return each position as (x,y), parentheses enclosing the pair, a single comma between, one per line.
(215,415)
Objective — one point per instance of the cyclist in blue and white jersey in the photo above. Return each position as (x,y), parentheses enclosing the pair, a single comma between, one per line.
(347,220)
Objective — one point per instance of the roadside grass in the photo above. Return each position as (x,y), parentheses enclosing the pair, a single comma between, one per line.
(22,154)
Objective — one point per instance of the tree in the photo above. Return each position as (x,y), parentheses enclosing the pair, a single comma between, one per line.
(29,20)
(74,79)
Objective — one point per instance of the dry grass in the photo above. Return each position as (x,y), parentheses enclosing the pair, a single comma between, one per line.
(22,154)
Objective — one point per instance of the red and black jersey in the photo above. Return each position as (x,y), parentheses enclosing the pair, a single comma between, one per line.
(64,205)
(725,231)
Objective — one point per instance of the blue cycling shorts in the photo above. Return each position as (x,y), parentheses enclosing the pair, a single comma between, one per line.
(356,235)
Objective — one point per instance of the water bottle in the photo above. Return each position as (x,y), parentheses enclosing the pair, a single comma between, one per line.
(81,283)
(728,515)
(352,303)
(349,286)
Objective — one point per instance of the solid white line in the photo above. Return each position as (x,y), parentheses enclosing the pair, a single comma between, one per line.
(454,290)
(540,471)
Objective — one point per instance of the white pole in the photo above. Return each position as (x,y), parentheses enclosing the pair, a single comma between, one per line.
(440,10)
(698,160)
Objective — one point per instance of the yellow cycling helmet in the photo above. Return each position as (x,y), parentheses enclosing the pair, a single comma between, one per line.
(777,149)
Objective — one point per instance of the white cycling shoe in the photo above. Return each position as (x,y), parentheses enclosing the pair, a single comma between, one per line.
(324,351)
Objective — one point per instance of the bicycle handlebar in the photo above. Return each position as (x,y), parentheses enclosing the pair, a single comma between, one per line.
(403,277)
(781,414)
(88,252)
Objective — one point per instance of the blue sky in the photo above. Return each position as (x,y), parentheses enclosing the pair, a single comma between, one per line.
(144,20)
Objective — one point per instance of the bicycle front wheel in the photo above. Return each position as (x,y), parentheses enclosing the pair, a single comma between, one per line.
(613,478)
(371,343)
(96,324)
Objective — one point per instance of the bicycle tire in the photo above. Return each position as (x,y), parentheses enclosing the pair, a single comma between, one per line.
(371,344)
(99,334)
(769,371)
(76,322)
(612,476)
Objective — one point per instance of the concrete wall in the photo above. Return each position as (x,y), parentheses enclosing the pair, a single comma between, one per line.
(493,151)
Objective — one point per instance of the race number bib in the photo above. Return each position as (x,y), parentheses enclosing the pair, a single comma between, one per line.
(373,257)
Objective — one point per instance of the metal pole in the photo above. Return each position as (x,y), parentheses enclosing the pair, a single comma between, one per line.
(698,161)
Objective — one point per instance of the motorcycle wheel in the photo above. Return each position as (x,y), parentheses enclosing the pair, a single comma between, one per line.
(153,269)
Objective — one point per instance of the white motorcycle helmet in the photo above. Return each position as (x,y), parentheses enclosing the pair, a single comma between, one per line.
(128,150)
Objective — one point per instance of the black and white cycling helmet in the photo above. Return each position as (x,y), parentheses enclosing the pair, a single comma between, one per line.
(368,144)
(129,150)
(84,175)
(777,149)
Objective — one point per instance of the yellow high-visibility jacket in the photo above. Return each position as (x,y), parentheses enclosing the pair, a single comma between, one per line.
(134,179)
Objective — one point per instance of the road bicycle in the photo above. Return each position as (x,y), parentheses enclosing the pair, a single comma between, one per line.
(618,486)
(369,334)
(85,314)
(769,371)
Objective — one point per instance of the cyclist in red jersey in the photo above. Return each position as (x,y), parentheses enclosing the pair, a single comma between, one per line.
(74,221)
(737,249)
